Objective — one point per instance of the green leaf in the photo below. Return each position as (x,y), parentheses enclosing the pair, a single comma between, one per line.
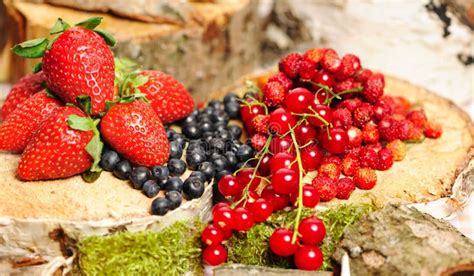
(37,67)
(109,104)
(80,123)
(90,23)
(94,148)
(90,176)
(59,27)
(32,48)
(52,41)
(50,93)
(109,39)
(140,80)
(85,103)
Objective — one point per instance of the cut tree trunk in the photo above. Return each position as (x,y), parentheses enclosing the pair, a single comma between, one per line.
(404,241)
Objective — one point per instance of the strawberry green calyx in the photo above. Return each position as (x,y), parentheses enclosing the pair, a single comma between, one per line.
(127,77)
(37,67)
(59,27)
(32,48)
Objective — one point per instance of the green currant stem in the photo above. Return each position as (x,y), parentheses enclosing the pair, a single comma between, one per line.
(300,188)
(255,102)
(353,90)
(245,164)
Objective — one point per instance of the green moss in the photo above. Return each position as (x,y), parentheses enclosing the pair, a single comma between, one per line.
(251,248)
(172,251)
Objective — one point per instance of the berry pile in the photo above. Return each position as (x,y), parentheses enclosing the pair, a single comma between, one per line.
(320,113)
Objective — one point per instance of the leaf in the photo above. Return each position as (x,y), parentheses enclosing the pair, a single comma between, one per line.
(84,103)
(90,23)
(90,176)
(32,48)
(109,39)
(50,93)
(80,123)
(140,80)
(37,67)
(109,104)
(94,148)
(59,27)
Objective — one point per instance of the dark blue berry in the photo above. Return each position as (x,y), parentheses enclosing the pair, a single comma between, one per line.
(176,167)
(206,126)
(219,126)
(194,159)
(123,169)
(160,206)
(169,133)
(244,153)
(217,145)
(221,163)
(174,184)
(150,188)
(192,131)
(231,98)
(138,176)
(216,105)
(109,160)
(220,116)
(193,187)
(235,131)
(175,198)
(208,170)
(199,174)
(232,109)
(232,159)
(176,150)
(160,172)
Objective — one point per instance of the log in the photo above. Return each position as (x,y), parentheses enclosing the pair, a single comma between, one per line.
(403,241)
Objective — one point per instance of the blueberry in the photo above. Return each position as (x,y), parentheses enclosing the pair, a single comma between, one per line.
(189,120)
(195,112)
(174,198)
(174,184)
(192,131)
(179,138)
(232,109)
(235,131)
(224,134)
(193,187)
(123,169)
(221,163)
(216,105)
(109,159)
(208,138)
(213,156)
(199,174)
(244,153)
(220,116)
(219,126)
(160,172)
(138,176)
(235,146)
(169,133)
(208,170)
(231,98)
(195,145)
(150,188)
(194,159)
(232,159)
(176,150)
(206,126)
(176,167)
(160,206)
(217,145)
(162,183)
(208,110)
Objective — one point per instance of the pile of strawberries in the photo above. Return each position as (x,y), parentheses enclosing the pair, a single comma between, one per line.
(58,117)
(322,116)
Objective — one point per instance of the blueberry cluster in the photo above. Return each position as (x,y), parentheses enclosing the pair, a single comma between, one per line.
(213,149)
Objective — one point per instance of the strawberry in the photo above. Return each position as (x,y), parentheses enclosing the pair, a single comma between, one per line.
(314,54)
(341,117)
(368,157)
(350,164)
(18,129)
(326,187)
(282,79)
(274,93)
(398,149)
(385,159)
(373,87)
(135,130)
(61,147)
(370,134)
(365,179)
(345,187)
(330,169)
(258,141)
(290,65)
(20,92)
(433,130)
(260,123)
(170,100)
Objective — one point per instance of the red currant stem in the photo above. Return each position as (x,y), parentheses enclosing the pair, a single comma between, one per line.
(295,126)
(327,132)
(263,178)
(245,164)
(253,87)
(245,192)
(300,188)
(352,90)
(255,101)
(307,144)
(325,87)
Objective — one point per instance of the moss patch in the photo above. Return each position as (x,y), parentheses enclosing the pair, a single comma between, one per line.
(173,251)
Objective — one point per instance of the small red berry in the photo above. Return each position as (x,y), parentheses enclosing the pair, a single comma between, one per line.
(258,141)
(219,205)
(274,93)
(354,136)
(363,75)
(350,164)
(433,130)
(362,115)
(332,159)
(345,187)
(330,169)
(299,100)
(387,128)
(243,219)
(229,186)
(223,218)
(370,134)
(326,187)
(342,118)
(368,157)
(321,96)
(344,86)
(308,257)
(282,79)
(281,121)
(212,235)
(382,108)
(373,87)
(290,65)
(385,159)
(334,141)
(305,133)
(260,123)
(312,230)
(398,149)
(248,112)
(281,144)
(310,196)
(284,181)
(214,255)
(307,69)
(283,160)
(350,104)
(251,197)
(280,242)
(321,115)
(278,201)
(264,168)
(365,179)
(261,209)
(400,105)
(350,64)
(331,61)
(311,157)
(244,178)
(324,77)
(314,54)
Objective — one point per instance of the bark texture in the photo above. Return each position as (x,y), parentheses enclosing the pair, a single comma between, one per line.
(403,241)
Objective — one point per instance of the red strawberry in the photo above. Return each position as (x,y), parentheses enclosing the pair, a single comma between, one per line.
(331,61)
(80,63)
(57,150)
(282,79)
(398,149)
(345,187)
(341,117)
(368,157)
(290,65)
(18,129)
(433,130)
(260,123)
(326,187)
(365,178)
(169,98)
(373,87)
(330,169)
(385,159)
(22,90)
(350,64)
(350,164)
(314,54)
(370,133)
(134,130)
(258,141)
(274,93)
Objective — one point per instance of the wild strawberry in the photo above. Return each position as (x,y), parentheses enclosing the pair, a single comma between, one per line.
(350,164)
(258,141)
(355,137)
(345,187)
(350,104)
(307,69)
(326,187)
(134,130)
(433,130)
(314,54)
(415,134)
(290,65)
(282,79)
(402,127)
(400,105)
(168,97)
(365,179)
(370,134)
(387,128)
(330,169)
(375,146)
(363,75)
(20,92)
(332,159)
(368,158)
(385,159)
(373,88)
(398,149)
(79,63)
(18,129)
(350,64)
(57,150)
(362,115)
(383,108)
(274,93)
(331,61)
(260,123)
(345,85)
(418,118)
(342,118)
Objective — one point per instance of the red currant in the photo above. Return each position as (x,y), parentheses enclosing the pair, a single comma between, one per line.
(305,133)
(219,205)
(261,210)
(310,196)
(223,218)
(264,168)
(243,219)
(281,144)
(248,112)
(311,157)
(312,230)
(298,100)
(335,140)
(229,186)
(282,160)
(212,235)
(284,181)
(214,255)
(280,242)
(321,115)
(277,201)
(308,257)
(252,197)
(321,96)
(281,121)
(325,78)
(244,177)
